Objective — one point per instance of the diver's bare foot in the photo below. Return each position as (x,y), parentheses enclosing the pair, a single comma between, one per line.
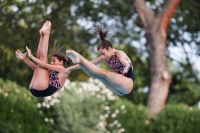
(40,31)
(74,56)
(46,28)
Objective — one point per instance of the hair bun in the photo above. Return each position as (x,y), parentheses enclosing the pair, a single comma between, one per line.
(102,34)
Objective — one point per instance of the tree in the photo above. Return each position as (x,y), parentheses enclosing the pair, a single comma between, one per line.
(155,26)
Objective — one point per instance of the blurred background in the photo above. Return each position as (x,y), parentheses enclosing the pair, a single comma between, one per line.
(85,105)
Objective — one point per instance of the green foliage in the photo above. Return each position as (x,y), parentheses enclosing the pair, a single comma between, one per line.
(177,119)
(87,108)
(78,112)
(183,32)
(184,88)
(76,108)
(18,110)
(123,116)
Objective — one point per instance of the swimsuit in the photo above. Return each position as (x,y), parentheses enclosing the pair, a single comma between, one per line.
(54,85)
(53,79)
(118,67)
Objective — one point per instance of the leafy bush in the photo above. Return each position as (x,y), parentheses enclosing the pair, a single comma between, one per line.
(78,113)
(77,107)
(88,107)
(18,111)
(177,119)
(124,116)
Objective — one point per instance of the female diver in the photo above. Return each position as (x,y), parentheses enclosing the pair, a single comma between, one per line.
(47,78)
(120,81)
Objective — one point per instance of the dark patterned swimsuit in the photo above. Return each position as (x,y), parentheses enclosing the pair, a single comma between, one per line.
(118,67)
(53,80)
(54,85)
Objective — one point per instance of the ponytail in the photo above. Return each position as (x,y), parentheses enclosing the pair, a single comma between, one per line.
(103,43)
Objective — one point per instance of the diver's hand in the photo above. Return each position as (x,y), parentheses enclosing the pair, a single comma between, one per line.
(29,52)
(20,55)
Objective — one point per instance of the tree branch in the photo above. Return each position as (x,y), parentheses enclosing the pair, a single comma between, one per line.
(167,12)
(143,11)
